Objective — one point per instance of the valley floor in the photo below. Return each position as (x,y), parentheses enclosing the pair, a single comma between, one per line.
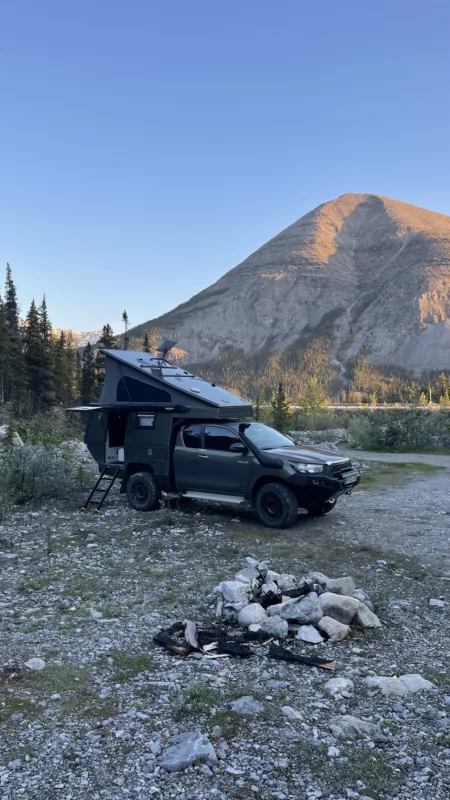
(86,594)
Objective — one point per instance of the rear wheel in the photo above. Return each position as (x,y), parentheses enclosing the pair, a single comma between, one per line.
(142,492)
(322,508)
(276,505)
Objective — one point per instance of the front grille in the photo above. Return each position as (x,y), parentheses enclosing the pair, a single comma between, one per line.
(340,467)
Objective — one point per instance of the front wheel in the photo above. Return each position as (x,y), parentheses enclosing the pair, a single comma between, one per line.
(276,505)
(322,508)
(142,492)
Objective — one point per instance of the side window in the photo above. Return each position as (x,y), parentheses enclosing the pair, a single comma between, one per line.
(192,436)
(219,438)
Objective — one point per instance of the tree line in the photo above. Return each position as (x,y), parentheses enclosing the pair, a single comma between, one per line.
(39,370)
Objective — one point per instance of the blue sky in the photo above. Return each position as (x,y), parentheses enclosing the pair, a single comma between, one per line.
(146,147)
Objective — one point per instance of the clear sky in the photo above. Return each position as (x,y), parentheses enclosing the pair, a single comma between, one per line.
(148,146)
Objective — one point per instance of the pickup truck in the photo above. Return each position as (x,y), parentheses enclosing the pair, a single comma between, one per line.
(248,464)
(160,429)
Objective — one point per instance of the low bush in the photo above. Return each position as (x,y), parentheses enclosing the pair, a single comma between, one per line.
(404,431)
(33,472)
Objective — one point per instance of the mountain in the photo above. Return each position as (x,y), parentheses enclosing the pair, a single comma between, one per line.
(369,273)
(81,339)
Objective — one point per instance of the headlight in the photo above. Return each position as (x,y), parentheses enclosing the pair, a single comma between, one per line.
(311,468)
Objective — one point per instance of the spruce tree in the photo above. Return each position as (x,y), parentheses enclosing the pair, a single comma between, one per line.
(78,373)
(313,400)
(126,340)
(151,341)
(60,371)
(423,400)
(89,383)
(34,356)
(107,341)
(4,351)
(281,412)
(444,400)
(70,357)
(47,373)
(15,374)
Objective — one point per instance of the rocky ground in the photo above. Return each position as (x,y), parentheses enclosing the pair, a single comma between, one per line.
(86,593)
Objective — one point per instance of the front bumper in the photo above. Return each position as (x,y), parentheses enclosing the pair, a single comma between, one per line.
(313,489)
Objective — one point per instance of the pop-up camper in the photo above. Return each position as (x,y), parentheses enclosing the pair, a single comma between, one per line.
(159,428)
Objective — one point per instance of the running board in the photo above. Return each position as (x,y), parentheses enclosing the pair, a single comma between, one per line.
(216,498)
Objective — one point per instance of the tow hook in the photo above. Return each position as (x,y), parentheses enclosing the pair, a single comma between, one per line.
(349,491)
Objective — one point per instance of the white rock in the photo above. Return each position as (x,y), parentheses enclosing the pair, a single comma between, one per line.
(267,588)
(403,685)
(335,630)
(275,626)
(286,582)
(333,752)
(189,748)
(345,586)
(363,597)
(339,607)
(292,713)
(349,727)
(251,562)
(247,706)
(271,576)
(236,591)
(365,618)
(274,611)
(254,627)
(253,613)
(317,577)
(435,603)
(307,633)
(343,687)
(35,664)
(248,575)
(95,614)
(304,610)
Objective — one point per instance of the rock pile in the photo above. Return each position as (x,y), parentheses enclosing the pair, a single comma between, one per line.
(312,608)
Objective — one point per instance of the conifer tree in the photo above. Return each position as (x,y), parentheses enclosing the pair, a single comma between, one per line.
(107,341)
(444,400)
(313,400)
(423,400)
(46,365)
(89,382)
(126,340)
(34,357)
(146,345)
(15,375)
(281,412)
(78,373)
(71,355)
(4,350)
(151,340)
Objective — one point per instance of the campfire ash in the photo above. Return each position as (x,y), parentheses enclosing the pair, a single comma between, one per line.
(266,607)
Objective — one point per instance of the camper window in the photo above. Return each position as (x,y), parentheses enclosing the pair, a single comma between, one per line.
(145,420)
(130,390)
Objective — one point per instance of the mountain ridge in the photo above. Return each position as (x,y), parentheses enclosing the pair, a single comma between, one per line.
(373,271)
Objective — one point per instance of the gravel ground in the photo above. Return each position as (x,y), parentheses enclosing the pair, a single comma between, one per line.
(86,593)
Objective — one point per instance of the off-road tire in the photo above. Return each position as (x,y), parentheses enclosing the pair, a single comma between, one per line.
(323,508)
(142,492)
(276,505)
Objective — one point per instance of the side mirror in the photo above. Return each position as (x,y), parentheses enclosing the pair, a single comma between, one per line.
(238,447)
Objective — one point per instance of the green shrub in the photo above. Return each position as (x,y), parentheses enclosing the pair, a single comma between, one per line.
(51,428)
(405,430)
(33,472)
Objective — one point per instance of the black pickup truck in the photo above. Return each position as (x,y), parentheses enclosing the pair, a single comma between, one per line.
(168,431)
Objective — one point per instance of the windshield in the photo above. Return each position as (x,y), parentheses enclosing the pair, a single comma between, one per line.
(266,438)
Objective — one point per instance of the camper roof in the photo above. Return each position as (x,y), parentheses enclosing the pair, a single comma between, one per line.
(171,385)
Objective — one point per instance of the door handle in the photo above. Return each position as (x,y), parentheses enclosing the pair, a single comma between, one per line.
(201,456)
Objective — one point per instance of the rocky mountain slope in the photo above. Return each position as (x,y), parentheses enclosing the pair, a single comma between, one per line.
(373,274)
